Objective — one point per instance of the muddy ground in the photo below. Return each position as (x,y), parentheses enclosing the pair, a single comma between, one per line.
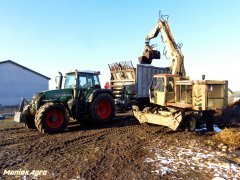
(122,149)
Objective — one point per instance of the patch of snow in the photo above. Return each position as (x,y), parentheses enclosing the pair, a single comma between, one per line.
(204,128)
(217,129)
(178,159)
(218,178)
(166,170)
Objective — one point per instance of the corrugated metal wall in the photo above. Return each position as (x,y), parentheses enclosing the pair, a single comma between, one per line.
(144,77)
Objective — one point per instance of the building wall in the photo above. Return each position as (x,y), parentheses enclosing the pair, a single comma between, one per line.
(17,82)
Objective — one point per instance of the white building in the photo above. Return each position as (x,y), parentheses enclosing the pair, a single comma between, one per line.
(17,81)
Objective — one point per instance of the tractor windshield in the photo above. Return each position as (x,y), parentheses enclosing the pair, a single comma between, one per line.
(70,81)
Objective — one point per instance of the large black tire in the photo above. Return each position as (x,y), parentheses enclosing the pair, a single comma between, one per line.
(208,116)
(191,123)
(51,118)
(29,119)
(102,109)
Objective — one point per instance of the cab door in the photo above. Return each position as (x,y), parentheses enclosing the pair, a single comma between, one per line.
(85,85)
(170,95)
(152,93)
(157,92)
(161,91)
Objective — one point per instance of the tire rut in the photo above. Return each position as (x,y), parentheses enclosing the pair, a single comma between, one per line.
(20,139)
(125,156)
(47,150)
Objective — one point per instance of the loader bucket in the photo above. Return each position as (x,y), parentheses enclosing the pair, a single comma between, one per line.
(18,114)
(168,119)
(18,117)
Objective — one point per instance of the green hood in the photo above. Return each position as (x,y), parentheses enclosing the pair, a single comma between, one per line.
(61,95)
(58,95)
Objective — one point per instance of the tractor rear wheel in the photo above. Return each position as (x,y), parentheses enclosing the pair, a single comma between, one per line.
(102,109)
(51,118)
(29,119)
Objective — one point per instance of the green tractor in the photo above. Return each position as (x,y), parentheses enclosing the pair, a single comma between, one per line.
(81,99)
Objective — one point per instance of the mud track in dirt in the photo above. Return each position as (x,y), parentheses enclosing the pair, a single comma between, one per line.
(119,149)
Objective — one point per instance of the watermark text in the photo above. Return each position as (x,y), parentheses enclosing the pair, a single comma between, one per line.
(22,172)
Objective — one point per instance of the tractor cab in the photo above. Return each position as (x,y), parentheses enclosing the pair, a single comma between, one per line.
(82,79)
(161,89)
(83,83)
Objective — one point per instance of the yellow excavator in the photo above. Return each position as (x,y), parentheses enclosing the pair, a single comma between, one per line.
(175,100)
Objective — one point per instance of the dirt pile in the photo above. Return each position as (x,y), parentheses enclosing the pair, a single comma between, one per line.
(230,137)
(230,116)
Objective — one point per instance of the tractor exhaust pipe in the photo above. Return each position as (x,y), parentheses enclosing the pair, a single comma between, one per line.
(60,80)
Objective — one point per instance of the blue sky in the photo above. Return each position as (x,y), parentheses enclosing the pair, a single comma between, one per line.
(57,35)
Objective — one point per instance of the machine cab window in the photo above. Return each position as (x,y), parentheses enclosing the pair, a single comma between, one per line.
(85,81)
(96,81)
(154,83)
(170,83)
(70,81)
(162,84)
(158,84)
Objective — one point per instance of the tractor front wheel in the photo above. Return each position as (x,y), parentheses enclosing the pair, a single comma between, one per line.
(102,108)
(51,118)
(29,119)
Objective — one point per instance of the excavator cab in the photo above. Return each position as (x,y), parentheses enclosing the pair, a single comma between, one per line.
(161,90)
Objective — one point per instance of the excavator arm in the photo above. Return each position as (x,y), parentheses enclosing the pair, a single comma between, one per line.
(172,49)
(153,34)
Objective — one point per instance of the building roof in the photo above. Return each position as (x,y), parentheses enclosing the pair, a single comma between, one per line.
(10,61)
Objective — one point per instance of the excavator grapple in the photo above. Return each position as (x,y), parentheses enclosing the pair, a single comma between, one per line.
(148,55)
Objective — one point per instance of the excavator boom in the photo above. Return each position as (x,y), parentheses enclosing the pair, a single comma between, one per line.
(172,48)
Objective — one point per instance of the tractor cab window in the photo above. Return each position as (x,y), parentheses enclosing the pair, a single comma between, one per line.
(96,81)
(85,81)
(70,81)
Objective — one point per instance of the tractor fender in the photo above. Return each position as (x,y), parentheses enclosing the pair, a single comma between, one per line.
(96,92)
